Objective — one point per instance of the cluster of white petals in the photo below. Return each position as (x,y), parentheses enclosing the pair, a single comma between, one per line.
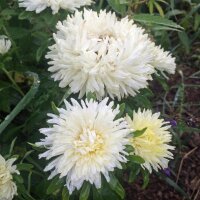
(8,188)
(163,60)
(5,44)
(39,5)
(153,145)
(101,54)
(85,142)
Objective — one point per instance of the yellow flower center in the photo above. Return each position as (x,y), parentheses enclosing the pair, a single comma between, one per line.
(148,142)
(89,142)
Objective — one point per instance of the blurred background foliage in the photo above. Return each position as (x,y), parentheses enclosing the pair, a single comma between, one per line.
(27,92)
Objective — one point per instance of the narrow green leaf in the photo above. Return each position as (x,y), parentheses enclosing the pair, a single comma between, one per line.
(116,186)
(55,185)
(118,6)
(129,148)
(173,184)
(18,32)
(65,96)
(91,95)
(25,15)
(41,50)
(12,146)
(96,194)
(163,83)
(65,194)
(22,104)
(54,108)
(136,159)
(24,167)
(159,8)
(138,133)
(145,174)
(134,172)
(184,40)
(85,191)
(155,19)
(121,109)
(150,5)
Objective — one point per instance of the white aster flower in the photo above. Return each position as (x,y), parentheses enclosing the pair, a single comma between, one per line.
(5,44)
(101,54)
(153,145)
(55,5)
(8,189)
(163,60)
(85,142)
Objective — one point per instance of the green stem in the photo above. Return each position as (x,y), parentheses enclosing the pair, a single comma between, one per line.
(22,104)
(13,81)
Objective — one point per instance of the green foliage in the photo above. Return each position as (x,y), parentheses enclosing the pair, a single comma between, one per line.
(27,92)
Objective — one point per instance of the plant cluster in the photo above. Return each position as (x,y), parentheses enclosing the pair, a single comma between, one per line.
(101,124)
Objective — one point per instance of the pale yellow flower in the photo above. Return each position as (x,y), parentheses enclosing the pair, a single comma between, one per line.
(153,145)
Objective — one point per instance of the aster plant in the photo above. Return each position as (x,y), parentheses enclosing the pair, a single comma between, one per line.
(100,132)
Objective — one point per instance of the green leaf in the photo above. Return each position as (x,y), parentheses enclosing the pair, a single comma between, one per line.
(143,101)
(173,184)
(134,173)
(154,19)
(138,133)
(136,159)
(65,96)
(121,109)
(159,8)
(91,95)
(96,194)
(54,108)
(24,167)
(150,5)
(4,96)
(65,194)
(8,13)
(116,186)
(145,174)
(118,6)
(18,32)
(22,104)
(85,191)
(12,146)
(18,178)
(184,40)
(54,186)
(22,191)
(129,148)
(163,83)
(25,15)
(41,50)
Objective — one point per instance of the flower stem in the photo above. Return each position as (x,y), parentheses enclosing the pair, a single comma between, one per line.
(13,81)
